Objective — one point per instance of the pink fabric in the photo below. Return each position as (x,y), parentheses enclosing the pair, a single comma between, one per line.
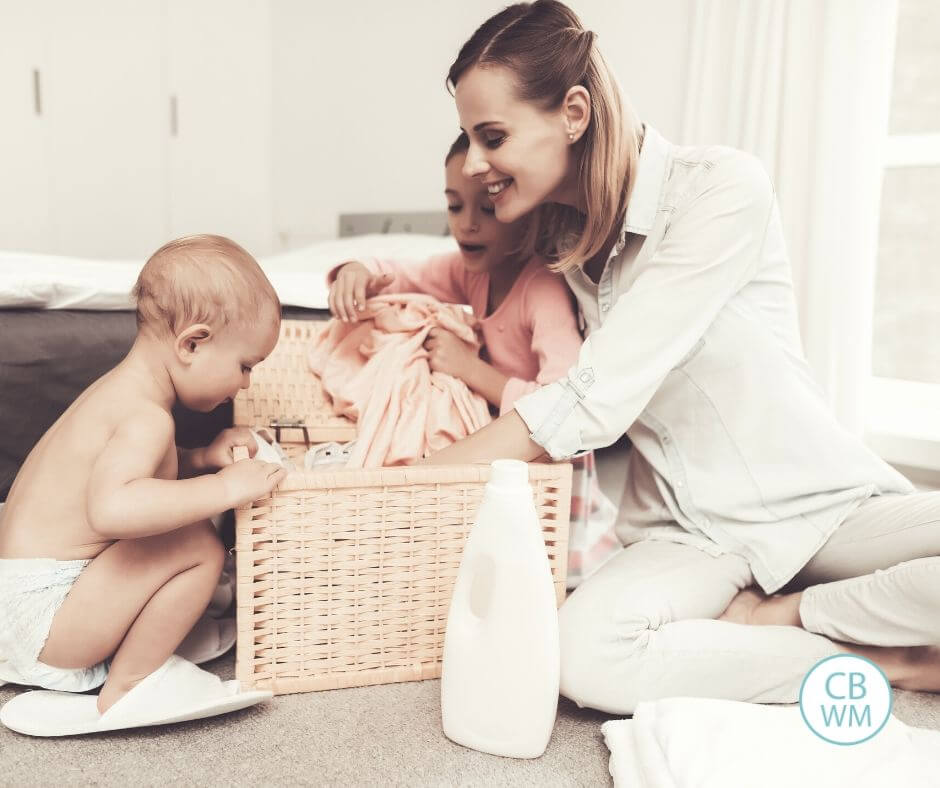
(377,373)
(532,337)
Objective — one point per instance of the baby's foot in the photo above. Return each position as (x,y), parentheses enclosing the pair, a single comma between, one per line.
(742,607)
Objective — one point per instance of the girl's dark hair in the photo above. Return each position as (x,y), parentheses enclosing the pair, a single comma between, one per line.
(459,145)
(545,47)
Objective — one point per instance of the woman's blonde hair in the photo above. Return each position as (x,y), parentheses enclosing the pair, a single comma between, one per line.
(549,51)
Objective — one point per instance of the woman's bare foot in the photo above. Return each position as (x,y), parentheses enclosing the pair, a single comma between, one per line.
(753,607)
(923,663)
(741,608)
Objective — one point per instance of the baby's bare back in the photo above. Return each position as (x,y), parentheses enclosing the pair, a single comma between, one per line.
(45,515)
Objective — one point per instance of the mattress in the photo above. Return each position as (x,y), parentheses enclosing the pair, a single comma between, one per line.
(40,281)
(49,357)
(66,321)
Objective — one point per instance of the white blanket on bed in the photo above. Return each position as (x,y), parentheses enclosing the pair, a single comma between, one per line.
(685,742)
(41,281)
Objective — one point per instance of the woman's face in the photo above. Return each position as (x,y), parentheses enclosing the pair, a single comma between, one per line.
(484,242)
(519,151)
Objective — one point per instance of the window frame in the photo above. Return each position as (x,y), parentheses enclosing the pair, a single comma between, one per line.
(903,416)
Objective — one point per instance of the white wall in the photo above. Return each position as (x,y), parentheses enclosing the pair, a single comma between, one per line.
(289,112)
(362,118)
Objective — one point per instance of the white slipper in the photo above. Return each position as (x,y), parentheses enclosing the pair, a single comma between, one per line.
(175,692)
(209,638)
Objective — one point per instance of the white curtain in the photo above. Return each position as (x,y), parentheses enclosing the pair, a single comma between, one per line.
(805,85)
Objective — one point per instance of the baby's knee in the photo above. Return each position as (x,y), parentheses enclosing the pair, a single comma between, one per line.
(201,541)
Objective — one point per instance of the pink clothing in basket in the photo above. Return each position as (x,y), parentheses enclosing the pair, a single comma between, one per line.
(532,337)
(377,373)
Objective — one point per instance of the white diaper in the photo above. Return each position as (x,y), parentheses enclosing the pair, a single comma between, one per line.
(328,454)
(269,450)
(31,592)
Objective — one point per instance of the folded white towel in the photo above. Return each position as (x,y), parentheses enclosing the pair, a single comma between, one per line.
(706,743)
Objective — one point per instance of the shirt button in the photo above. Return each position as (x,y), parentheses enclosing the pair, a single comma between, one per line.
(605,307)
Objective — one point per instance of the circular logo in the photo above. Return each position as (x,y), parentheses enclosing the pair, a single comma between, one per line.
(845,699)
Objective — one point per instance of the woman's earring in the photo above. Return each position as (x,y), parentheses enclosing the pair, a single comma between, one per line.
(571,136)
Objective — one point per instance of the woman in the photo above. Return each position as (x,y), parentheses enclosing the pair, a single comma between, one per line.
(739,474)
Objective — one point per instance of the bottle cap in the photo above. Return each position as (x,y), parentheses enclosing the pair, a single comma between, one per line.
(509,473)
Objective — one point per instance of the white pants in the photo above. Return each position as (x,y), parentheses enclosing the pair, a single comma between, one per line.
(643,628)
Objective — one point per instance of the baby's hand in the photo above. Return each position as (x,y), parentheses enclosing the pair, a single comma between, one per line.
(247,480)
(354,283)
(218,454)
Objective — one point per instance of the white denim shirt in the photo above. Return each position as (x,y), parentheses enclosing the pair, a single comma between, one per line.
(693,350)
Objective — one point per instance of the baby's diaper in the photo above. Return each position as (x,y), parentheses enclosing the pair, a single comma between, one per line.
(328,454)
(31,592)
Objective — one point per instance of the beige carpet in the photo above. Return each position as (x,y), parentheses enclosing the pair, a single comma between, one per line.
(383,736)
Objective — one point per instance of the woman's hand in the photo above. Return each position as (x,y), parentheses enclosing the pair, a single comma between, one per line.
(354,283)
(447,353)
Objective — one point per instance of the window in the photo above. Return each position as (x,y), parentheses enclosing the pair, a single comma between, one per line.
(904,401)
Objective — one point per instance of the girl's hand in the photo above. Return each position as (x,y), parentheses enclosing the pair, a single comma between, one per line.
(218,454)
(449,354)
(352,286)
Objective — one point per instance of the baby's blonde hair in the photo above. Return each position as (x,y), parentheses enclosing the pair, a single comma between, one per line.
(201,279)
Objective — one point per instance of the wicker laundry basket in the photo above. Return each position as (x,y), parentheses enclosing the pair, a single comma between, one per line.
(344,577)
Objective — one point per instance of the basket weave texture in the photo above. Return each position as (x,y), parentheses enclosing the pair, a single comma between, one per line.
(344,577)
(284,390)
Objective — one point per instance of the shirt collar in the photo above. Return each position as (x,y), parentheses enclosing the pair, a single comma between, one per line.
(648,184)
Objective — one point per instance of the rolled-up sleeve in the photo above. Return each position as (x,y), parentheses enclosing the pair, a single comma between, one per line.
(710,249)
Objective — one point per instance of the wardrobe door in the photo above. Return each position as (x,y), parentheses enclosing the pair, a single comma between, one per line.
(24,169)
(219,83)
(107,120)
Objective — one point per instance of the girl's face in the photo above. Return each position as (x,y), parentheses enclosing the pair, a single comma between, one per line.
(484,242)
(521,153)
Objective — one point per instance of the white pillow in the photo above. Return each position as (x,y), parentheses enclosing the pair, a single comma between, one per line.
(40,281)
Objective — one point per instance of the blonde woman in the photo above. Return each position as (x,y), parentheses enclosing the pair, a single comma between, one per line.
(741,485)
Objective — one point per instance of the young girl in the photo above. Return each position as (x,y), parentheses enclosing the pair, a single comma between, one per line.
(527,320)
(738,474)
(526,317)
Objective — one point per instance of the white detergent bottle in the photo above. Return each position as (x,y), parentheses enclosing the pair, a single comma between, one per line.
(499,681)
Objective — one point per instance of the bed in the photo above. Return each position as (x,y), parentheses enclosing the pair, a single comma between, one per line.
(65,321)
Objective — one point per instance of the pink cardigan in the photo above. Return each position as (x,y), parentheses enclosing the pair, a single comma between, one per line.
(532,337)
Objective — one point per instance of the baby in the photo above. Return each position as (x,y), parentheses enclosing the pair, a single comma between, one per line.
(106,550)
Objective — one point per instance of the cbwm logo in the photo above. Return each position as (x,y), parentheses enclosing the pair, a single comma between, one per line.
(845,699)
